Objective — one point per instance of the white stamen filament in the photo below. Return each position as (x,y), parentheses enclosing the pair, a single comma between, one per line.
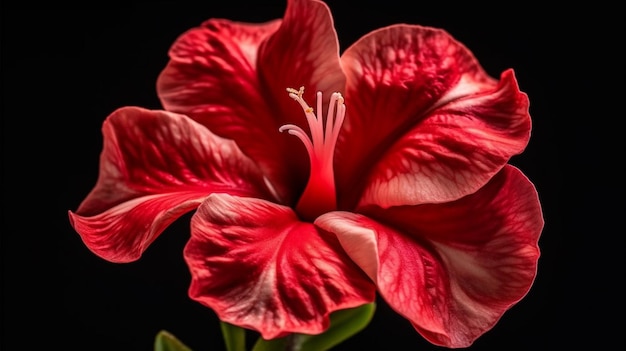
(301,134)
(322,143)
(332,129)
(319,195)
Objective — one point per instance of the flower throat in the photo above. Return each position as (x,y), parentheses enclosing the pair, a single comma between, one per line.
(319,196)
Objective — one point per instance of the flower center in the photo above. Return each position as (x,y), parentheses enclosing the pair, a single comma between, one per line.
(319,195)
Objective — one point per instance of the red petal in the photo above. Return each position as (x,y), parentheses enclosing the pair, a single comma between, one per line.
(122,233)
(154,167)
(452,269)
(422,111)
(212,78)
(453,151)
(303,52)
(257,266)
(232,77)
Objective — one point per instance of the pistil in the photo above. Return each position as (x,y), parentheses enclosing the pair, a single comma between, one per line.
(319,196)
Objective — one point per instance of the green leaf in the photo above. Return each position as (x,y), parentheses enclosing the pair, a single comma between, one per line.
(165,341)
(234,337)
(343,325)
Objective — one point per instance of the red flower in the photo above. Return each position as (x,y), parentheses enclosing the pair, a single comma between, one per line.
(402,184)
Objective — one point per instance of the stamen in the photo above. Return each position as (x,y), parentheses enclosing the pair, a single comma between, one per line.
(319,195)
(301,134)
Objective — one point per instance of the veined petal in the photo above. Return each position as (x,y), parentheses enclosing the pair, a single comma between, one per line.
(212,78)
(407,274)
(257,266)
(304,51)
(154,167)
(123,232)
(232,77)
(454,151)
(451,269)
(427,115)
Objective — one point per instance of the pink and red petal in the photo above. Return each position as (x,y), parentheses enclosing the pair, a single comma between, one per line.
(304,51)
(422,111)
(155,166)
(122,233)
(454,151)
(212,78)
(257,266)
(232,77)
(452,269)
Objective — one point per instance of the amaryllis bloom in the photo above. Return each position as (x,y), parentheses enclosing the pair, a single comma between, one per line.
(320,178)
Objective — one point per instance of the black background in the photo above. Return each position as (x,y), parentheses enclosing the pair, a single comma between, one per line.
(65,70)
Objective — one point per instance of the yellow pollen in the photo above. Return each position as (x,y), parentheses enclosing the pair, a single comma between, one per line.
(297,92)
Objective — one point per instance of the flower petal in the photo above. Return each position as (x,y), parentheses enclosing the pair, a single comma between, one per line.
(304,51)
(451,269)
(454,151)
(154,167)
(212,78)
(122,233)
(232,77)
(422,111)
(257,266)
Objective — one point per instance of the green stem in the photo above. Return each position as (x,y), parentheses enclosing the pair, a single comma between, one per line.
(234,337)
(292,343)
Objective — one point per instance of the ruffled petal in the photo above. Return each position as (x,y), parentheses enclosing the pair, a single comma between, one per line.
(451,269)
(454,151)
(424,121)
(154,167)
(304,51)
(212,78)
(257,266)
(232,77)
(122,233)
